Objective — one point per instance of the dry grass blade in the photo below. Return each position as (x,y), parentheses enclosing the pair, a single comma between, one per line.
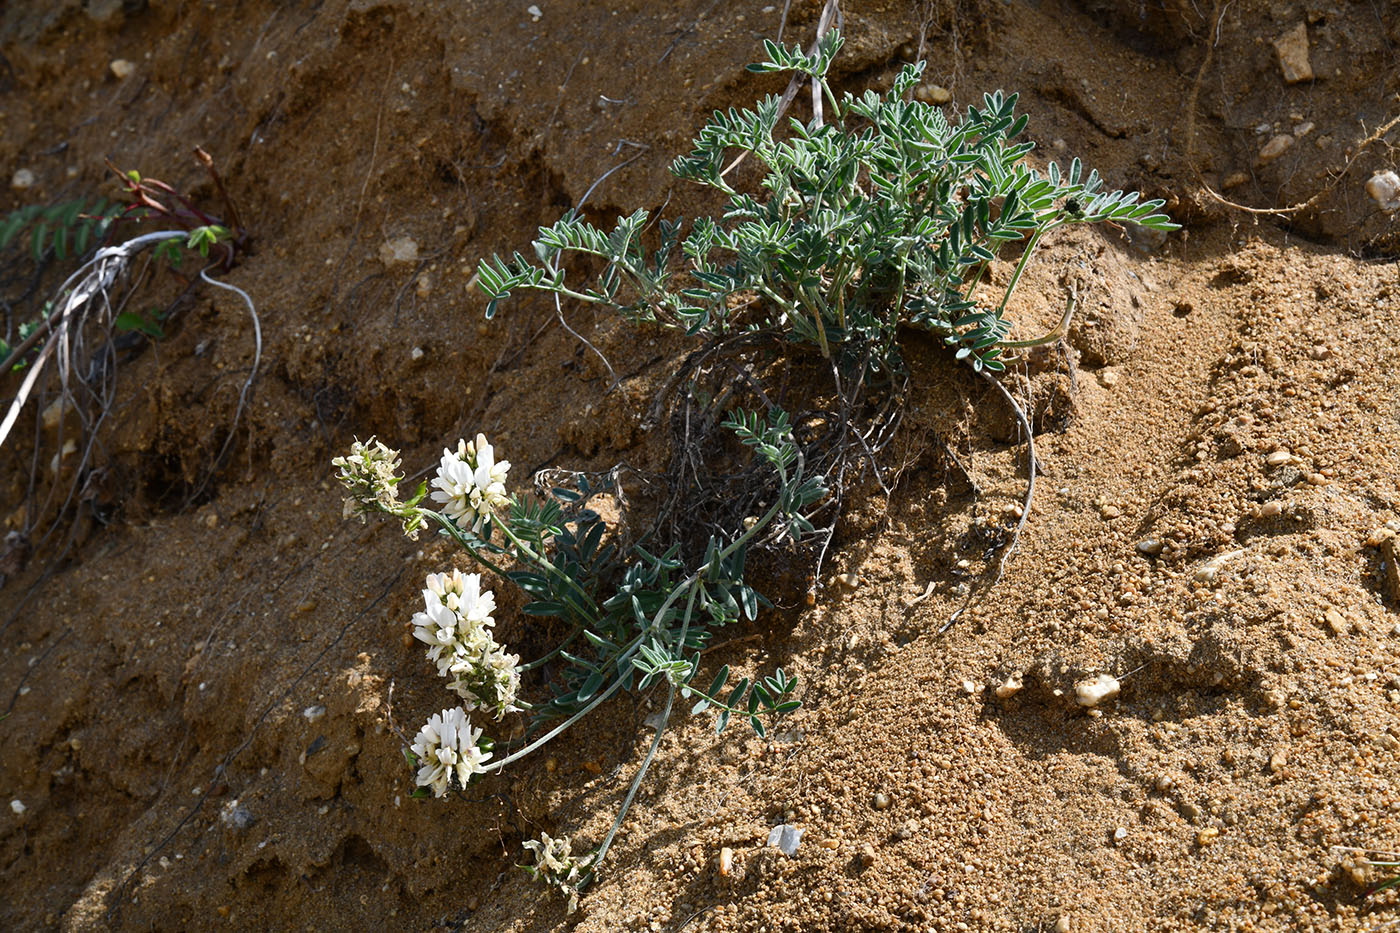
(77,295)
(831,15)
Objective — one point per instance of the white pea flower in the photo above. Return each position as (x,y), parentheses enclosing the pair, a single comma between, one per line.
(556,864)
(456,625)
(488,682)
(370,474)
(457,612)
(490,476)
(447,748)
(470,483)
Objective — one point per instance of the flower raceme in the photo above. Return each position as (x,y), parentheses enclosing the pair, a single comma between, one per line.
(456,614)
(455,625)
(470,483)
(447,746)
(370,475)
(556,864)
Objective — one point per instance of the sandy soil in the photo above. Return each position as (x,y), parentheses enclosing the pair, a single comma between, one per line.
(195,674)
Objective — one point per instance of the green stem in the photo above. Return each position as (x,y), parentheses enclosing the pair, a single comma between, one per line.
(1058,333)
(570,293)
(544,563)
(449,526)
(976,280)
(837,117)
(650,756)
(1020,267)
(792,310)
(541,661)
(594,704)
(817,320)
(455,533)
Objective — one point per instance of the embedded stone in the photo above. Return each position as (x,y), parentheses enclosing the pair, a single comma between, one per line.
(1292,49)
(1384,189)
(1275,148)
(1091,693)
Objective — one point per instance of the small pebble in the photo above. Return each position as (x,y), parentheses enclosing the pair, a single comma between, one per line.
(1336,622)
(1292,49)
(849,580)
(1207,572)
(969,687)
(1120,834)
(786,838)
(726,861)
(1062,925)
(829,844)
(17,807)
(1108,378)
(933,94)
(399,249)
(1091,693)
(415,354)
(1278,761)
(236,816)
(1009,687)
(1151,546)
(1206,836)
(1234,180)
(880,801)
(908,829)
(121,68)
(1275,148)
(1271,509)
(1110,511)
(314,713)
(535,12)
(1278,458)
(867,855)
(21,179)
(1384,189)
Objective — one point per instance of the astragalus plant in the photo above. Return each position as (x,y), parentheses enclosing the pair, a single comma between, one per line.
(886,217)
(625,621)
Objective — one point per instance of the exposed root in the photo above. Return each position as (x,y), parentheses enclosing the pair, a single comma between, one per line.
(1031,467)
(247,384)
(1217,17)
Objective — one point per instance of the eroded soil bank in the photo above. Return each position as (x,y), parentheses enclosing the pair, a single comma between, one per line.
(195,692)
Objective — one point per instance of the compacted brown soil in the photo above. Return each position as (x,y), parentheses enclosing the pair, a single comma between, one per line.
(195,672)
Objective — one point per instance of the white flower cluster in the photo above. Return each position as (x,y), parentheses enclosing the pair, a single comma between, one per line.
(556,864)
(456,626)
(470,483)
(370,474)
(448,750)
